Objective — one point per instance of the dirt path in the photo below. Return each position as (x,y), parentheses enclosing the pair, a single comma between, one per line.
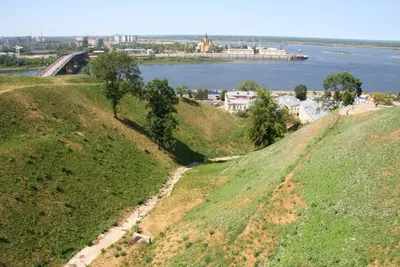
(361,108)
(88,254)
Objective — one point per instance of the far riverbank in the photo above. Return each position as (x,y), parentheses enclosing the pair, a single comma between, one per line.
(21,68)
(180,60)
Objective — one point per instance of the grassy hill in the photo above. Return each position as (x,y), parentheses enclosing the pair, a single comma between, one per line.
(326,195)
(68,170)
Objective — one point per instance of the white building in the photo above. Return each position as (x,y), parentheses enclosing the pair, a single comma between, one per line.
(271,51)
(240,51)
(291,103)
(306,111)
(311,111)
(124,38)
(238,100)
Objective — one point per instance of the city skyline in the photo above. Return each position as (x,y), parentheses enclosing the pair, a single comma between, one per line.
(365,20)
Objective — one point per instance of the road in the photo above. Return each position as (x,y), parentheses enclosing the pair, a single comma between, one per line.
(361,108)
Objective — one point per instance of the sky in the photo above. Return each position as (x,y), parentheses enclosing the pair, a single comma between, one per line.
(348,19)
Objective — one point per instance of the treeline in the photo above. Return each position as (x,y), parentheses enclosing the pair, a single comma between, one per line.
(161,48)
(165,48)
(13,61)
(177,60)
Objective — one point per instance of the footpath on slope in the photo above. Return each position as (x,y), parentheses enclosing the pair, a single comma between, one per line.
(362,108)
(89,253)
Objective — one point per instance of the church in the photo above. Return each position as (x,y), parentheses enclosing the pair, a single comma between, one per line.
(205,45)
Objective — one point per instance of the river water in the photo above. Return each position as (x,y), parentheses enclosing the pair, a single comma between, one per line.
(378,69)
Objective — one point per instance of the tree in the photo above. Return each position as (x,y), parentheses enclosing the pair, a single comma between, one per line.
(190,94)
(120,75)
(222,95)
(248,85)
(397,98)
(341,88)
(161,120)
(382,99)
(266,119)
(301,92)
(181,90)
(201,94)
(85,70)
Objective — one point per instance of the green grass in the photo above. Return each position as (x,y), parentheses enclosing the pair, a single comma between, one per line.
(203,131)
(227,209)
(80,79)
(351,183)
(23,80)
(68,170)
(347,176)
(31,67)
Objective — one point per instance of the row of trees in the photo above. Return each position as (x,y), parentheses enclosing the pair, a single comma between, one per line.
(120,75)
(200,94)
(13,61)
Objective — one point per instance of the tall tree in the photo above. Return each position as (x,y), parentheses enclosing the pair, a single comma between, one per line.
(266,122)
(301,92)
(248,85)
(222,95)
(341,88)
(120,75)
(161,120)
(181,90)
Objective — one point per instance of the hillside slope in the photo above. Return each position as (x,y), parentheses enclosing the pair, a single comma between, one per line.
(326,195)
(69,170)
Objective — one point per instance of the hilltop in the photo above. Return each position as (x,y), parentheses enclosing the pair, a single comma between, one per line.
(69,170)
(326,195)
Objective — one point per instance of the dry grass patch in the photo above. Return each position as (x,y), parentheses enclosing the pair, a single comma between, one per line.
(284,201)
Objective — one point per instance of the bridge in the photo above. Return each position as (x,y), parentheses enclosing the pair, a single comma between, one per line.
(65,64)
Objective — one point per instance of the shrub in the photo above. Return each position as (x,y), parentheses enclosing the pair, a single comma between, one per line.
(382,99)
(242,114)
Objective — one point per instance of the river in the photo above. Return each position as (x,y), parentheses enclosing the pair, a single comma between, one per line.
(378,69)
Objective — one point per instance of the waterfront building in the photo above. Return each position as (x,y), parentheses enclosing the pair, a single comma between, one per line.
(306,111)
(271,51)
(311,111)
(291,103)
(240,51)
(205,45)
(238,100)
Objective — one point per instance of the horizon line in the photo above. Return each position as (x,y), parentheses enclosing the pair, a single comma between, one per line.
(215,35)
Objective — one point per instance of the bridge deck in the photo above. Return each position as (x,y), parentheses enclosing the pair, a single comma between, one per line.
(60,63)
